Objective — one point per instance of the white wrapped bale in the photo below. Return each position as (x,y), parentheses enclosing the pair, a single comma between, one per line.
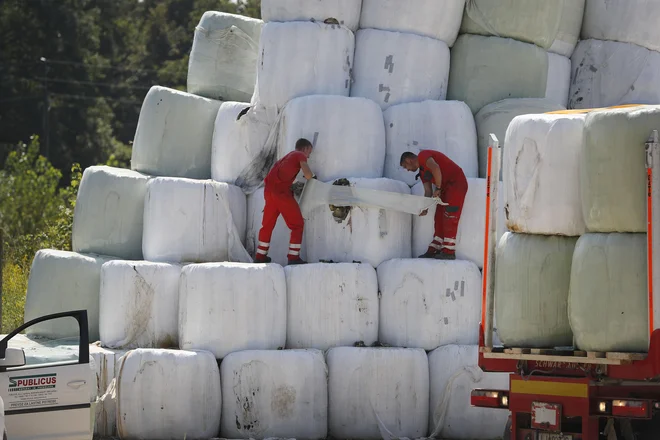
(429,303)
(488,69)
(532,283)
(496,117)
(109,211)
(553,25)
(223,57)
(347,133)
(541,161)
(168,395)
(330,305)
(445,126)
(393,67)
(367,235)
(606,73)
(454,374)
(608,300)
(289,65)
(62,281)
(282,394)
(428,18)
(346,12)
(139,304)
(227,307)
(613,169)
(174,133)
(375,390)
(193,221)
(279,242)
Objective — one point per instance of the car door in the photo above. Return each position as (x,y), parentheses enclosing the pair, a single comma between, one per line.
(45,382)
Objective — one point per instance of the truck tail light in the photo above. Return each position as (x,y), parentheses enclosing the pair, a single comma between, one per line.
(489,399)
(630,408)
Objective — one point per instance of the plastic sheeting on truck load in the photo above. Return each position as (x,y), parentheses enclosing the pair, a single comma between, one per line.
(393,67)
(194,221)
(223,58)
(613,169)
(62,281)
(607,73)
(274,394)
(454,374)
(279,241)
(174,133)
(445,126)
(345,12)
(496,117)
(428,18)
(330,305)
(541,174)
(429,303)
(489,69)
(109,211)
(608,301)
(531,290)
(347,133)
(554,25)
(377,393)
(289,65)
(168,395)
(227,307)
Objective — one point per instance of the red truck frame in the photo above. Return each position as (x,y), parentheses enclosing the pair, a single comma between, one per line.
(568,394)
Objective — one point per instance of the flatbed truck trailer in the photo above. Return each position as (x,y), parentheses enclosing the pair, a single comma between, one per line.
(569,394)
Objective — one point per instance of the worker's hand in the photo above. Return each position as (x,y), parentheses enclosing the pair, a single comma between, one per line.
(423,213)
(436,193)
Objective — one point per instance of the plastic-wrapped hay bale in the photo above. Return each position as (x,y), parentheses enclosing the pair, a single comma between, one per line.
(330,305)
(445,126)
(393,67)
(553,25)
(279,242)
(532,283)
(347,133)
(367,235)
(607,73)
(139,304)
(613,169)
(454,374)
(284,45)
(227,307)
(282,394)
(174,133)
(540,169)
(168,395)
(429,303)
(496,117)
(345,12)
(62,281)
(193,221)
(488,69)
(428,18)
(223,58)
(608,301)
(109,211)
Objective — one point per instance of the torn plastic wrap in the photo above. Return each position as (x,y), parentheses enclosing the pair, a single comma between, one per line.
(346,12)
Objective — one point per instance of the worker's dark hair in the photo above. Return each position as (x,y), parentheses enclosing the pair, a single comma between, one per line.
(302,143)
(407,155)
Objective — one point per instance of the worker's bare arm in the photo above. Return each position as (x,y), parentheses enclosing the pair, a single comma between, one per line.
(428,189)
(307,172)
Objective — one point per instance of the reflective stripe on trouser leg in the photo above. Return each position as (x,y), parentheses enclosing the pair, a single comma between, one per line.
(262,248)
(294,251)
(436,244)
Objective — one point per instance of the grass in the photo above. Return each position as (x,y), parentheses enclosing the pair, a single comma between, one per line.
(14,288)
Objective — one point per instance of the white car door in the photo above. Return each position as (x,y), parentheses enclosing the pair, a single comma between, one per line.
(46,392)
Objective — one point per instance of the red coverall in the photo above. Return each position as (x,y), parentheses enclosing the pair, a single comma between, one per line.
(279,200)
(453,188)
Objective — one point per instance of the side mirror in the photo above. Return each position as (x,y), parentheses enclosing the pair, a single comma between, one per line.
(14,357)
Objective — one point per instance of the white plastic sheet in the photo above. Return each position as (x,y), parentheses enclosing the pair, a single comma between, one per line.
(393,67)
(174,133)
(346,12)
(109,211)
(445,126)
(223,58)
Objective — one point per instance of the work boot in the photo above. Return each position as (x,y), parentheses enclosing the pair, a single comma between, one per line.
(428,255)
(296,261)
(262,260)
(444,256)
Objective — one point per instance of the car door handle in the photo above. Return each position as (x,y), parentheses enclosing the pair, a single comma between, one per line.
(76,383)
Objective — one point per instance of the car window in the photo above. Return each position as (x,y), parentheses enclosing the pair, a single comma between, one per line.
(52,342)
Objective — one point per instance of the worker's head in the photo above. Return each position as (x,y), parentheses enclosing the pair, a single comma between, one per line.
(304,146)
(409,161)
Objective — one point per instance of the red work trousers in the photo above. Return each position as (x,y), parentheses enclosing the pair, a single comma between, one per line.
(281,201)
(447,217)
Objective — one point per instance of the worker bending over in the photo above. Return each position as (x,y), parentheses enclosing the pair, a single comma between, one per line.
(451,186)
(279,200)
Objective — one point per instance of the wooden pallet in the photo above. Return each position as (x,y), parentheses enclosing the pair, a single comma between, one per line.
(557,355)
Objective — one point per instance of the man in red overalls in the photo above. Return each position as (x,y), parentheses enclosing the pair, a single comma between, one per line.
(279,200)
(451,186)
